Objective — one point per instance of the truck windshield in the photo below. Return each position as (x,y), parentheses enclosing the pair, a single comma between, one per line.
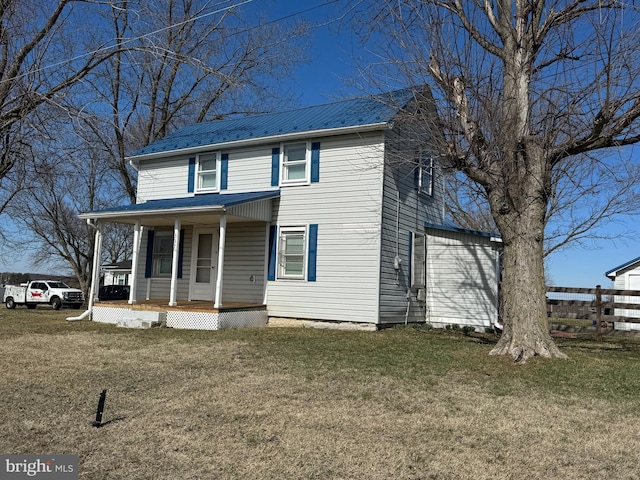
(58,285)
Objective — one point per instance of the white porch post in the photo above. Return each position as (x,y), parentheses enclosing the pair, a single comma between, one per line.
(95,273)
(134,263)
(174,263)
(221,240)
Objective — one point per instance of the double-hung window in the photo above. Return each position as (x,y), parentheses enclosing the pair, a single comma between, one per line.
(425,175)
(162,253)
(292,252)
(207,172)
(295,159)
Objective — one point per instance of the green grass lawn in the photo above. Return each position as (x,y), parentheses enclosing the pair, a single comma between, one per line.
(402,403)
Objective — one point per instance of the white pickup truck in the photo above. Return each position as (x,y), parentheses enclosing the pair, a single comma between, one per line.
(39,292)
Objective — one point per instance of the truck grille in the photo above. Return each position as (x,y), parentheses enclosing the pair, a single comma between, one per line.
(74,297)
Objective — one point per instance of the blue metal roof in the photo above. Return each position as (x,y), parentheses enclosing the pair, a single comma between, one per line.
(347,113)
(624,265)
(213,200)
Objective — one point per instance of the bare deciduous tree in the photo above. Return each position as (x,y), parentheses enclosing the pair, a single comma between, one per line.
(33,36)
(529,93)
(184,61)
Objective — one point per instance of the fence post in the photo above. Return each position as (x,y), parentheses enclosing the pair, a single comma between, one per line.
(598,313)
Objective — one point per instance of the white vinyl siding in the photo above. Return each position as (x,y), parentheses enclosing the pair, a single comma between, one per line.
(243,279)
(165,178)
(346,206)
(250,170)
(462,283)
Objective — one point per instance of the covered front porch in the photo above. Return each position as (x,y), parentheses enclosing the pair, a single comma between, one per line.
(197,262)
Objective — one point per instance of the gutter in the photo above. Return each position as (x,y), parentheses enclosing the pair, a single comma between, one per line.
(96,264)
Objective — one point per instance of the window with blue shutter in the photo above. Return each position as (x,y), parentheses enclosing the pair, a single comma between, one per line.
(273,247)
(224,171)
(313,252)
(181,253)
(192,175)
(275,167)
(148,268)
(315,162)
(158,260)
(299,163)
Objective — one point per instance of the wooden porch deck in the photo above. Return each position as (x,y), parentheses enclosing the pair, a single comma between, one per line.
(184,306)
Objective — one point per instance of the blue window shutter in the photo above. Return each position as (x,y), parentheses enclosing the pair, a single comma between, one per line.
(148,269)
(275,167)
(273,244)
(315,162)
(192,175)
(313,252)
(409,258)
(180,253)
(224,171)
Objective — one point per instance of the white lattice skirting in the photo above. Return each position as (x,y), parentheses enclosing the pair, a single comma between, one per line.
(216,321)
(189,320)
(109,314)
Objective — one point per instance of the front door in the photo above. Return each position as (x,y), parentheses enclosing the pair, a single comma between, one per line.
(204,264)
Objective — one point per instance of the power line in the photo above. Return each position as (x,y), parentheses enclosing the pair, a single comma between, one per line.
(104,49)
(169,27)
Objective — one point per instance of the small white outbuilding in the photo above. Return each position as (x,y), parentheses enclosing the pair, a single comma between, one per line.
(626,277)
(463,272)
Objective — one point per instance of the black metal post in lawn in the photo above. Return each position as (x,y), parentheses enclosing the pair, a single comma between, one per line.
(98,421)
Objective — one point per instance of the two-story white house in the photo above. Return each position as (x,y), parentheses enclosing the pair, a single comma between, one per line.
(323,213)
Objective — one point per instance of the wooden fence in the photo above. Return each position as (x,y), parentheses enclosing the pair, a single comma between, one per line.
(607,307)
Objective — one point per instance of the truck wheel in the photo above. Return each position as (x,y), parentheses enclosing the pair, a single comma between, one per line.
(56,303)
(10,304)
(31,306)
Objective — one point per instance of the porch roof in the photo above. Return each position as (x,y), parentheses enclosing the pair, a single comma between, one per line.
(193,209)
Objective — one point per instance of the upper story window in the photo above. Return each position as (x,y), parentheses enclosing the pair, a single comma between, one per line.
(425,176)
(207,172)
(295,160)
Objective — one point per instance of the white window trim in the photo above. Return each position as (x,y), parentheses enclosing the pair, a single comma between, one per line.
(197,182)
(155,267)
(280,275)
(426,163)
(307,163)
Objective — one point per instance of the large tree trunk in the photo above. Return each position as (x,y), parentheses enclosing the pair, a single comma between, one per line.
(523,300)
(526,331)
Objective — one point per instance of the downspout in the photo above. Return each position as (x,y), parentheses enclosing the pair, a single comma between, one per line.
(94,273)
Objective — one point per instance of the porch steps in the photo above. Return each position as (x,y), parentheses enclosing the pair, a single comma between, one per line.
(142,319)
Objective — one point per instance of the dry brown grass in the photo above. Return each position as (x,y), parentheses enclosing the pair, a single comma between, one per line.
(298,403)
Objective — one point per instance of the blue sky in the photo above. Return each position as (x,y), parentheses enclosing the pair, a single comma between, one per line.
(327,77)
